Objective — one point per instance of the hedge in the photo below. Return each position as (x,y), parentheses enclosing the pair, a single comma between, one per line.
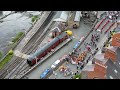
(34,18)
(17,37)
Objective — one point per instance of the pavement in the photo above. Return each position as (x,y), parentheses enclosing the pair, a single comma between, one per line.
(100,14)
(61,75)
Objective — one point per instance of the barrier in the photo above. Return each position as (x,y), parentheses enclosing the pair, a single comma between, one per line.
(109,28)
(105,24)
(100,23)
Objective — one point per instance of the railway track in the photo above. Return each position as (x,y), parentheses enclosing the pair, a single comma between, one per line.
(15,64)
(33,40)
(9,68)
(23,67)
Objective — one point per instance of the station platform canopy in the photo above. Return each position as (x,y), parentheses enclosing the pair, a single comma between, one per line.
(77,16)
(63,17)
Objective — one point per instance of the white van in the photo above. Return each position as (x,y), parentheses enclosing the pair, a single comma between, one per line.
(55,64)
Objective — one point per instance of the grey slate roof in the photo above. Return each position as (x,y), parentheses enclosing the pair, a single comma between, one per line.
(113,68)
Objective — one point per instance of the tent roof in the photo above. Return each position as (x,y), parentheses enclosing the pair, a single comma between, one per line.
(59,20)
(63,17)
(77,16)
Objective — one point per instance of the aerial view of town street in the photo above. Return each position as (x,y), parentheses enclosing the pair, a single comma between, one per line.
(59,44)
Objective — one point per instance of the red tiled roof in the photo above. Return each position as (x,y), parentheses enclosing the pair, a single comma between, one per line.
(99,72)
(110,54)
(116,40)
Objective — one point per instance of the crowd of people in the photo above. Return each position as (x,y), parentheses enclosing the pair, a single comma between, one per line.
(113,15)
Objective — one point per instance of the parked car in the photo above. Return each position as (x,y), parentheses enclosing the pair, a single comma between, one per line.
(44,74)
(78,43)
(55,64)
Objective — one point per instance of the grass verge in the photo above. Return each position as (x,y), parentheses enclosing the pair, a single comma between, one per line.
(0,54)
(6,59)
(34,18)
(17,37)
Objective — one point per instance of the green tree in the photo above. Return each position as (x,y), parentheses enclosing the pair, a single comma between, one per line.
(10,52)
(6,60)
(34,18)
(77,76)
(17,37)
